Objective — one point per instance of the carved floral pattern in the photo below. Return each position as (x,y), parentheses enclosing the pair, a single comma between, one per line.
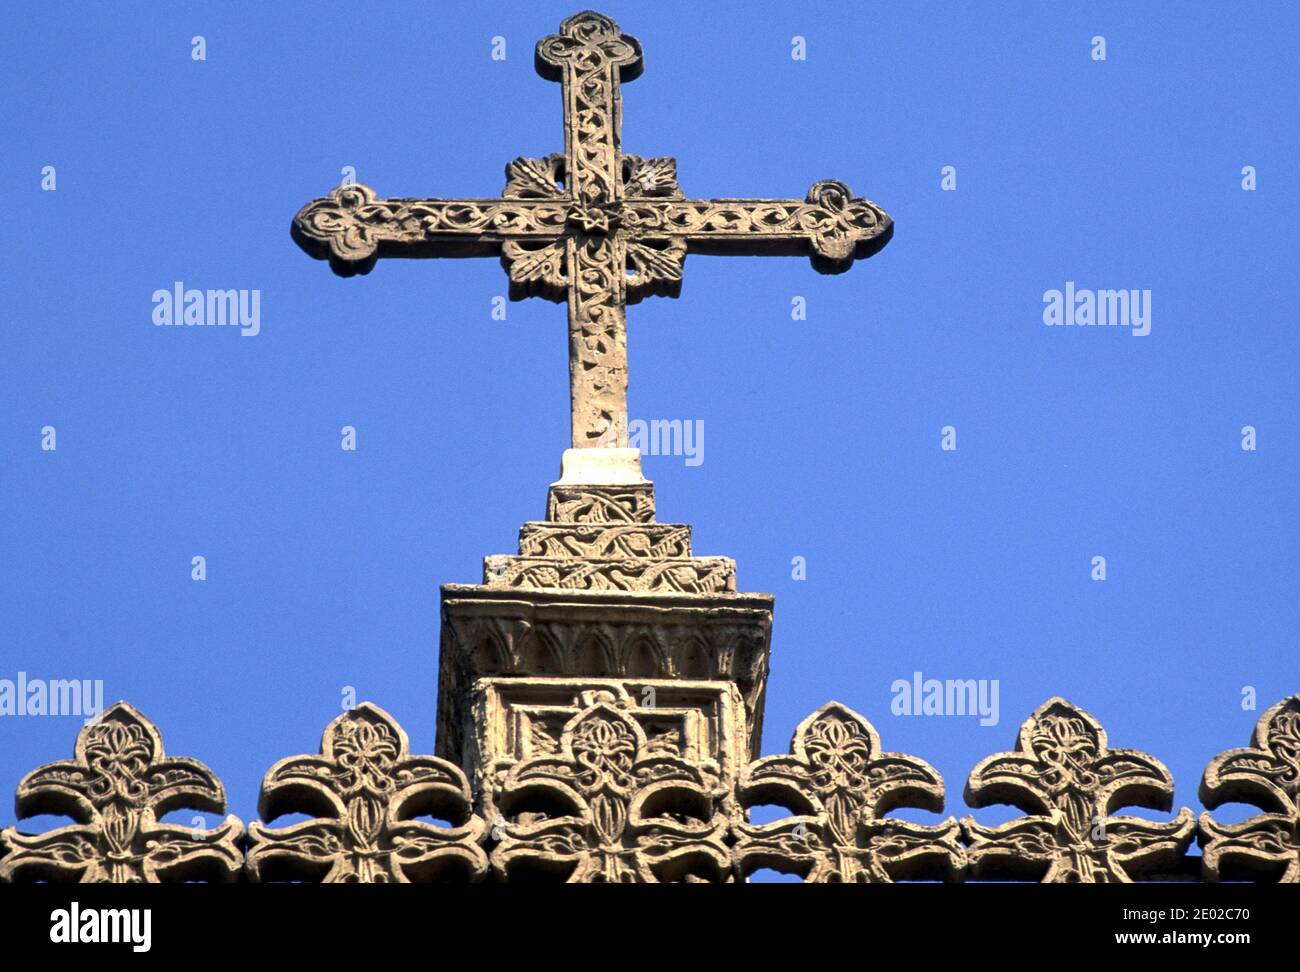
(589,57)
(650,178)
(619,542)
(619,795)
(609,806)
(601,504)
(599,543)
(351,224)
(843,785)
(1267,775)
(1069,781)
(696,575)
(535,178)
(118,784)
(364,789)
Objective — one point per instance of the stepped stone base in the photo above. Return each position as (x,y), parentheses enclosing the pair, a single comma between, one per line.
(601,591)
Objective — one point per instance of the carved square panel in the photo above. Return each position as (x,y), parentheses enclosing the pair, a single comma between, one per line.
(700,722)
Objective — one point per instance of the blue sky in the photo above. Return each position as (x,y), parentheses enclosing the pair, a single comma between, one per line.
(822,435)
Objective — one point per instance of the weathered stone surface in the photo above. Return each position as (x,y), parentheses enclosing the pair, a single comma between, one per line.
(1064,775)
(619,780)
(841,786)
(594,227)
(1267,775)
(604,538)
(598,634)
(517,719)
(574,503)
(364,791)
(609,804)
(599,596)
(607,466)
(677,575)
(118,784)
(606,541)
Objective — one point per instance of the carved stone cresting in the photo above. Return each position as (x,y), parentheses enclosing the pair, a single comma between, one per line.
(1069,782)
(118,784)
(595,227)
(1267,775)
(610,806)
(365,790)
(841,786)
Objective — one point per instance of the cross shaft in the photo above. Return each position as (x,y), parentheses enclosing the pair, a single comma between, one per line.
(593,227)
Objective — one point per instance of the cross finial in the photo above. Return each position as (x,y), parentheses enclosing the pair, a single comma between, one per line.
(593,227)
(593,39)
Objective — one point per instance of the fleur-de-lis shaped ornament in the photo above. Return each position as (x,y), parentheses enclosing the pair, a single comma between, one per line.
(842,783)
(1267,775)
(1069,782)
(606,808)
(119,782)
(364,792)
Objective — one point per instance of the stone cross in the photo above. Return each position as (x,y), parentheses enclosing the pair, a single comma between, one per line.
(594,227)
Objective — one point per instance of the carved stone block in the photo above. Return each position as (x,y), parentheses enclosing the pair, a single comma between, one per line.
(597,634)
(517,719)
(601,504)
(599,590)
(613,541)
(608,802)
(693,575)
(603,538)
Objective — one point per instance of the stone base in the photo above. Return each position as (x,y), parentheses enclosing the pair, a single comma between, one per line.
(489,632)
(599,590)
(601,467)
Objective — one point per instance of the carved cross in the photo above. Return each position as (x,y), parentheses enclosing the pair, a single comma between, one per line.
(593,227)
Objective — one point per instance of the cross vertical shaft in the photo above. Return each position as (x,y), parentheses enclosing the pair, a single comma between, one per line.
(589,57)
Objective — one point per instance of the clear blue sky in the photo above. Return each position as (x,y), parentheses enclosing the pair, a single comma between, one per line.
(822,436)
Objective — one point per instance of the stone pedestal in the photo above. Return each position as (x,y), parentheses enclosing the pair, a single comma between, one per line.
(602,606)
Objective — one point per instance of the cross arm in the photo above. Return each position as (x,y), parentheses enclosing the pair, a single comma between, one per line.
(353,228)
(830,224)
